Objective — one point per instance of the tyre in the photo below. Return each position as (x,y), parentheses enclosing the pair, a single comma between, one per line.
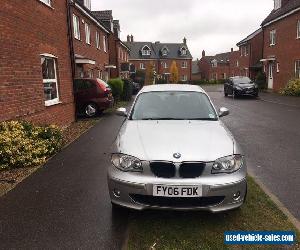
(225,94)
(91,110)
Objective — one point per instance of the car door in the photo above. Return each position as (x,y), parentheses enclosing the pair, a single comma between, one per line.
(230,87)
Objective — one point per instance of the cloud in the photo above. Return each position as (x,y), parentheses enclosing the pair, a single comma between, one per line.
(214,25)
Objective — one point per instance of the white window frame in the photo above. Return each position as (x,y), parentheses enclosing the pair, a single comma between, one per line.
(97,40)
(76,27)
(55,100)
(47,2)
(272,37)
(183,51)
(164,65)
(297,69)
(105,43)
(298,29)
(184,65)
(87,4)
(184,78)
(142,66)
(146,52)
(277,4)
(87,29)
(277,67)
(237,63)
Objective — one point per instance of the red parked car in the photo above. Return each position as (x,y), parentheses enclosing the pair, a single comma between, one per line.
(92,96)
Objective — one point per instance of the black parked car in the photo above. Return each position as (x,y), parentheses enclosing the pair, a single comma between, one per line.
(240,85)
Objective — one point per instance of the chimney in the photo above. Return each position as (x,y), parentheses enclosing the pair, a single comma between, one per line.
(184,40)
(128,38)
(203,53)
(231,49)
(131,38)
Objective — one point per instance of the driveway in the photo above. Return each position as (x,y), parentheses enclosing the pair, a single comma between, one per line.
(65,205)
(268,129)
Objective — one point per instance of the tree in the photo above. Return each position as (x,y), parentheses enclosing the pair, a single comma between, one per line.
(150,74)
(174,73)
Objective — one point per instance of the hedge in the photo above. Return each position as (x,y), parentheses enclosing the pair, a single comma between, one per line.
(116,85)
(24,145)
(292,88)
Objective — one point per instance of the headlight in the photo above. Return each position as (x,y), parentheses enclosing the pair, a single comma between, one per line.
(228,164)
(126,163)
(237,88)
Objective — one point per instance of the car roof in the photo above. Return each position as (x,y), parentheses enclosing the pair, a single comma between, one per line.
(172,87)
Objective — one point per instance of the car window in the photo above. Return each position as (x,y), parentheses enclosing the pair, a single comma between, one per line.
(173,105)
(242,80)
(82,84)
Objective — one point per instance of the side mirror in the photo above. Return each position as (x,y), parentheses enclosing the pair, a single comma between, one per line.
(223,112)
(121,112)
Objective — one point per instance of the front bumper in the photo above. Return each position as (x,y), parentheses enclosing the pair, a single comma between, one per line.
(249,92)
(136,192)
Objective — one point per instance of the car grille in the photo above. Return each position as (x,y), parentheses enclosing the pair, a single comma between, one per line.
(163,169)
(191,170)
(176,202)
(168,169)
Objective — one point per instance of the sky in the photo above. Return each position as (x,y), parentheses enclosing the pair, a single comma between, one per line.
(211,25)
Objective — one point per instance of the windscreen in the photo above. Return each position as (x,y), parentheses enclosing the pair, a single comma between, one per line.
(173,105)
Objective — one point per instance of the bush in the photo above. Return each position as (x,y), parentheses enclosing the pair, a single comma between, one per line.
(292,88)
(116,85)
(261,80)
(127,90)
(24,145)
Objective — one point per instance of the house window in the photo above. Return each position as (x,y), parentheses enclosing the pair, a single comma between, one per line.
(146,51)
(277,67)
(241,50)
(142,66)
(246,50)
(183,51)
(87,3)
(297,69)
(164,52)
(105,43)
(164,65)
(76,27)
(87,33)
(184,65)
(272,37)
(48,2)
(97,40)
(277,4)
(184,78)
(49,73)
(298,29)
(214,63)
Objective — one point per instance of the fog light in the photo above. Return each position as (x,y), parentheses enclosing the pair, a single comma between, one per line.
(236,196)
(117,193)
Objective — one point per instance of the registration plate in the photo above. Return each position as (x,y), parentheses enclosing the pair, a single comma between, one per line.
(177,191)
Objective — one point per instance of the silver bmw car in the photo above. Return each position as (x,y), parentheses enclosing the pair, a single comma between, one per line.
(174,152)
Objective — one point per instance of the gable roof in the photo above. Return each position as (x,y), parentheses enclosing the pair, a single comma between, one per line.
(248,38)
(222,57)
(173,50)
(288,8)
(104,15)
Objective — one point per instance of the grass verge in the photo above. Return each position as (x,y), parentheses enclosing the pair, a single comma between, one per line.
(201,230)
(10,178)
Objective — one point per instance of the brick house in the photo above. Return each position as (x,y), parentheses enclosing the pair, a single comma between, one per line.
(196,74)
(161,56)
(118,52)
(35,65)
(90,42)
(250,54)
(281,48)
(215,67)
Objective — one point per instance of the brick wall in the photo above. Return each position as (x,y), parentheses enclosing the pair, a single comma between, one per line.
(29,28)
(90,51)
(286,50)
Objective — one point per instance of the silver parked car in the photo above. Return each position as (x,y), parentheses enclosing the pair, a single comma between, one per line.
(173,152)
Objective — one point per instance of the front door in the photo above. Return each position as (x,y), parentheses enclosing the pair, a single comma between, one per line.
(270,78)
